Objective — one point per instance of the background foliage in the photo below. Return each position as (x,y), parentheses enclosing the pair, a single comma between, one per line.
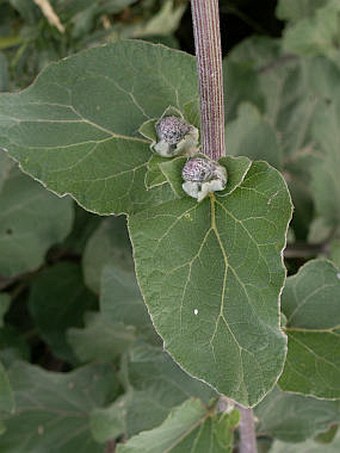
(81,364)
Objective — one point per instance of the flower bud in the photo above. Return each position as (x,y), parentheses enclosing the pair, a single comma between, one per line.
(202,176)
(172,129)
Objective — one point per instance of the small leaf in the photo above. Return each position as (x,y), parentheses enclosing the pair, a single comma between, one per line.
(311,303)
(188,427)
(199,266)
(294,418)
(31,219)
(53,409)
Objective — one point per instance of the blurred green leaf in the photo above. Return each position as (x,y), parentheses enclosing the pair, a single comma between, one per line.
(6,395)
(53,409)
(296,10)
(58,301)
(100,339)
(251,135)
(311,304)
(108,245)
(12,346)
(5,302)
(121,301)
(306,447)
(110,422)
(31,221)
(155,381)
(316,35)
(3,72)
(294,418)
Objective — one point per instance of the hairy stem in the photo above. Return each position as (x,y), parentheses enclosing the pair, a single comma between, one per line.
(247,431)
(206,24)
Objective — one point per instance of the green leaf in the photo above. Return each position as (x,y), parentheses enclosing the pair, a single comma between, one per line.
(13,346)
(91,106)
(211,274)
(327,436)
(241,84)
(253,136)
(100,339)
(306,447)
(189,427)
(53,409)
(294,418)
(3,73)
(155,381)
(6,395)
(316,35)
(5,302)
(295,10)
(335,252)
(31,218)
(57,310)
(6,165)
(109,245)
(121,302)
(325,182)
(110,422)
(311,303)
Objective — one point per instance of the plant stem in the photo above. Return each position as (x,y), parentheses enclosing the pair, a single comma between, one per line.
(206,24)
(247,431)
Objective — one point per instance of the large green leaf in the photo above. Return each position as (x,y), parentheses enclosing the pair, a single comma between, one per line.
(57,301)
(190,427)
(53,409)
(311,304)
(76,128)
(294,418)
(211,274)
(31,220)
